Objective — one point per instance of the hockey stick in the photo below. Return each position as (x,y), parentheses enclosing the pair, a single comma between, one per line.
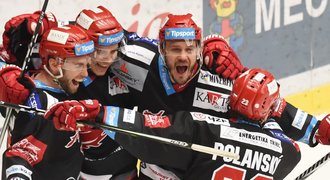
(26,61)
(182,144)
(314,167)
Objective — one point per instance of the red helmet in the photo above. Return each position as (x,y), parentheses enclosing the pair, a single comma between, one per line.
(179,27)
(64,42)
(102,27)
(254,94)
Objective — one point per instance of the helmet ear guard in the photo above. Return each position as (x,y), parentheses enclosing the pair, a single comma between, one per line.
(254,94)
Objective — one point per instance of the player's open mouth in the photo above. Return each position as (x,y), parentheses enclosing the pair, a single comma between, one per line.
(76,82)
(181,69)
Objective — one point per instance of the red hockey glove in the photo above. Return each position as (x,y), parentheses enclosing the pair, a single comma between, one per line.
(18,33)
(279,107)
(220,57)
(66,113)
(323,134)
(14,90)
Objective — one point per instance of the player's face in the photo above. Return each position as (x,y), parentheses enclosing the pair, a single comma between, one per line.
(102,58)
(180,58)
(74,72)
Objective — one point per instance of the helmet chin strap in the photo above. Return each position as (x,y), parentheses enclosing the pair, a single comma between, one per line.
(55,78)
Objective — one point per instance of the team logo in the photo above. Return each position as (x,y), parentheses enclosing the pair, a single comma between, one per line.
(157,120)
(30,149)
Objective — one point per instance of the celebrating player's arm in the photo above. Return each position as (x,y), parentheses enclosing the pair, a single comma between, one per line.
(16,39)
(220,58)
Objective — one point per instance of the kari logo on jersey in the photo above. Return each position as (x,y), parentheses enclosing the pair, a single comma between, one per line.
(206,77)
(156,120)
(180,33)
(253,138)
(92,138)
(116,86)
(207,99)
(30,149)
(132,75)
(197,116)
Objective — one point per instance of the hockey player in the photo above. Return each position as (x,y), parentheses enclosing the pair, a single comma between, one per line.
(265,151)
(104,158)
(37,150)
(174,80)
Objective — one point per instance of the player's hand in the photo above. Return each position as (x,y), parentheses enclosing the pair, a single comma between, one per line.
(65,114)
(278,108)
(323,134)
(14,90)
(19,30)
(220,58)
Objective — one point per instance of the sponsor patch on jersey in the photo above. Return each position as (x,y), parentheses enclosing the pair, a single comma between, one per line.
(156,120)
(299,119)
(207,99)
(138,53)
(129,116)
(208,78)
(132,75)
(253,138)
(30,149)
(116,86)
(18,169)
(197,116)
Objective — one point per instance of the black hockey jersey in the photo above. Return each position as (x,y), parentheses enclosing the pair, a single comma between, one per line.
(37,150)
(104,156)
(265,152)
(142,68)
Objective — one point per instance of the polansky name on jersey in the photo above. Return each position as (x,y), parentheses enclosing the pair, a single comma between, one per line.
(207,99)
(251,159)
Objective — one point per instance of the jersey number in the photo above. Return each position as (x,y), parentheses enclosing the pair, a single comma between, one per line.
(227,172)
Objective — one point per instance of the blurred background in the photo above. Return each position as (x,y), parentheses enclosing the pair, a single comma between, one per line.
(289,38)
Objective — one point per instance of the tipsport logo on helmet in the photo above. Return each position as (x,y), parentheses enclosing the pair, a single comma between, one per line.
(108,40)
(180,33)
(83,49)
